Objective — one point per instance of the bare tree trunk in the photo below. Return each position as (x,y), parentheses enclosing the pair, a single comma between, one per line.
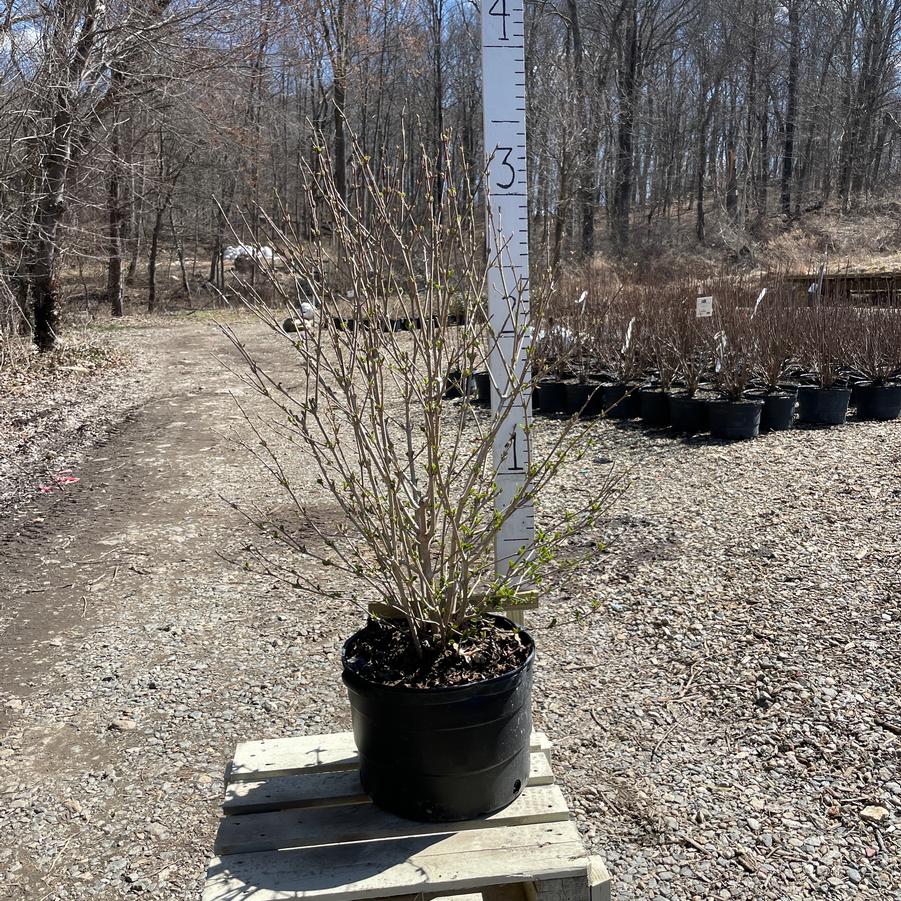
(791,106)
(114,290)
(55,162)
(180,251)
(625,134)
(152,259)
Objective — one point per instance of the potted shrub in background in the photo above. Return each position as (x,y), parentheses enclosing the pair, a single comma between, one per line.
(734,416)
(688,413)
(875,354)
(775,330)
(624,352)
(584,395)
(653,398)
(439,686)
(553,359)
(824,399)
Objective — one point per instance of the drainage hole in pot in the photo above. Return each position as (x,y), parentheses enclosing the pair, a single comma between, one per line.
(517,785)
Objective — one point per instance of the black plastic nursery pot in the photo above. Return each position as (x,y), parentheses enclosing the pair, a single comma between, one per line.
(620,401)
(687,414)
(653,406)
(453,384)
(735,420)
(778,413)
(552,398)
(881,402)
(823,406)
(443,754)
(584,399)
(480,388)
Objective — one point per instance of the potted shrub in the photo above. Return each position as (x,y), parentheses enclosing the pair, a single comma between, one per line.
(734,416)
(824,329)
(875,353)
(554,359)
(775,333)
(584,393)
(621,336)
(653,399)
(439,686)
(688,413)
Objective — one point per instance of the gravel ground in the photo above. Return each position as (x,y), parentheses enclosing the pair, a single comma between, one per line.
(726,725)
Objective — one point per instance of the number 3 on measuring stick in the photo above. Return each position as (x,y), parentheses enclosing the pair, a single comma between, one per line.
(505,161)
(499,9)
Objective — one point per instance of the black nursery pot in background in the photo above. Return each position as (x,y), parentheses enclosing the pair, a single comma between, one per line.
(443,754)
(552,399)
(653,406)
(735,420)
(881,402)
(584,399)
(620,401)
(823,406)
(480,388)
(687,414)
(778,413)
(454,383)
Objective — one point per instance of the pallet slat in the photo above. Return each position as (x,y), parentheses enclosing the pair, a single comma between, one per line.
(451,863)
(326,789)
(256,760)
(279,756)
(334,825)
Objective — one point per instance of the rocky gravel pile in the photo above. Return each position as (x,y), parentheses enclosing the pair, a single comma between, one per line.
(721,684)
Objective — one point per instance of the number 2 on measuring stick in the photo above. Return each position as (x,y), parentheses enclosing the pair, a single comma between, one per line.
(499,9)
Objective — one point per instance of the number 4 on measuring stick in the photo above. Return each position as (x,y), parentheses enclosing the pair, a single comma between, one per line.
(499,9)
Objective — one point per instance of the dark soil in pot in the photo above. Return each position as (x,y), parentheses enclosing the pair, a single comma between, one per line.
(446,740)
(584,399)
(687,414)
(552,397)
(823,406)
(621,401)
(880,402)
(735,420)
(653,406)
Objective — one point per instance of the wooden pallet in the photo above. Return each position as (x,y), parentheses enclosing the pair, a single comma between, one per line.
(298,825)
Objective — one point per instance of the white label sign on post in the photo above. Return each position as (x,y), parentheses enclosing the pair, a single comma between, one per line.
(704,307)
(507,213)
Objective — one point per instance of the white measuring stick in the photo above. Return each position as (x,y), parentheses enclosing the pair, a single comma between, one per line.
(504,117)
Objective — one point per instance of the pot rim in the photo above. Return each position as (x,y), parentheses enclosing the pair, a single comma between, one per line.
(348,675)
(744,402)
(831,389)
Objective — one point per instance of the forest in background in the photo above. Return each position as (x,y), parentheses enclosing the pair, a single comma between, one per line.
(133,126)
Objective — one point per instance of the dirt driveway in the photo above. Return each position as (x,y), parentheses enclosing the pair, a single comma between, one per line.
(133,655)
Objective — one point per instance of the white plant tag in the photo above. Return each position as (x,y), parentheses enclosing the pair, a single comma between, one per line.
(704,307)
